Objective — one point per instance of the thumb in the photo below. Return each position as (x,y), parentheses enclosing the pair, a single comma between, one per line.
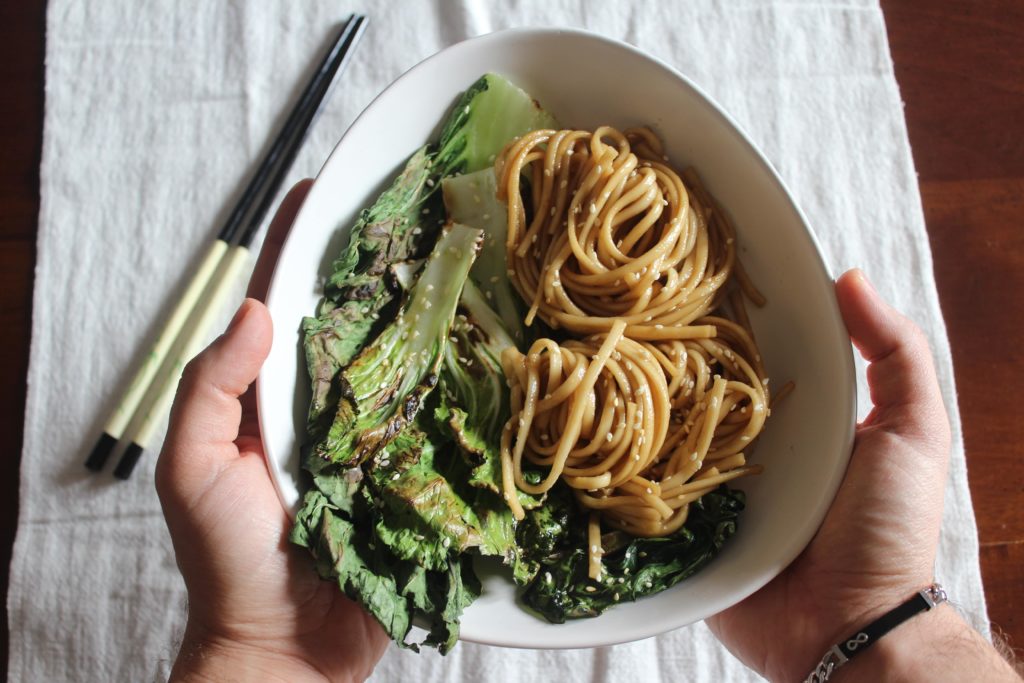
(205,418)
(901,376)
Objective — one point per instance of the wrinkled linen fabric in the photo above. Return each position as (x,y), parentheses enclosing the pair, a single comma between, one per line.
(156,113)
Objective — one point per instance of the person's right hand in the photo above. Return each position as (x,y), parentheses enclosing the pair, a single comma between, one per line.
(877,544)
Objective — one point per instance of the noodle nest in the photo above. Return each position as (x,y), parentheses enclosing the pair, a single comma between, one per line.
(652,395)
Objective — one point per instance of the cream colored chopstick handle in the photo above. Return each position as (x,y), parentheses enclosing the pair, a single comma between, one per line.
(122,414)
(237,260)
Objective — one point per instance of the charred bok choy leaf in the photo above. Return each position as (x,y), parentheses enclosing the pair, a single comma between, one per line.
(384,387)
(363,287)
(401,500)
(403,224)
(393,591)
(472,199)
(555,535)
(474,398)
(472,407)
(381,519)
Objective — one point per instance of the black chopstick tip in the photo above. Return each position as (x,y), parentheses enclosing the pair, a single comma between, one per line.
(128,461)
(101,452)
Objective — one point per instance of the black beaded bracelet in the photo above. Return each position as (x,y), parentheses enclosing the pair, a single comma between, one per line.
(843,651)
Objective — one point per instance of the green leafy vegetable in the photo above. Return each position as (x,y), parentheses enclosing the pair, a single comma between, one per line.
(555,534)
(363,287)
(472,199)
(487,116)
(401,225)
(383,388)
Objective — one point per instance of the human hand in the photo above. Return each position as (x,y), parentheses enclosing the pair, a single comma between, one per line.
(257,610)
(877,544)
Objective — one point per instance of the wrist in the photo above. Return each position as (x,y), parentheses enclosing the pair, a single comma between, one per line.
(204,658)
(937,645)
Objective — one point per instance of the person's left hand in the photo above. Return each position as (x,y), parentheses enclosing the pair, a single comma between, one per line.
(257,608)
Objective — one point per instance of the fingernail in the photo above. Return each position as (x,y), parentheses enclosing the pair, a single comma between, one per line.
(859,274)
(239,315)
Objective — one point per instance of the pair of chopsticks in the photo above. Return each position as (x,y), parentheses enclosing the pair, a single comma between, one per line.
(216,274)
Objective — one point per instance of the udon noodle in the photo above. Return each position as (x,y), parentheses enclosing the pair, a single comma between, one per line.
(652,397)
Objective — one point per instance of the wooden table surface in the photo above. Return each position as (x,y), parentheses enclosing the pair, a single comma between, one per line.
(960,67)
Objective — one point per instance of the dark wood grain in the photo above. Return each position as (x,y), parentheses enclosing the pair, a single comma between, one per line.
(22,28)
(960,68)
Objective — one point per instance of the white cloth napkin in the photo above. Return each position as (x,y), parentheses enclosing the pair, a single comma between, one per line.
(155,114)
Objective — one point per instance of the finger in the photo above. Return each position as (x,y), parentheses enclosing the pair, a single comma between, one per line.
(205,418)
(901,375)
(276,234)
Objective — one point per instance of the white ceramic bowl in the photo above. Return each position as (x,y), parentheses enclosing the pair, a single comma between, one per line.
(587,80)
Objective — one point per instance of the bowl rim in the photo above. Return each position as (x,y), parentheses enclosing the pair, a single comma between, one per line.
(794,543)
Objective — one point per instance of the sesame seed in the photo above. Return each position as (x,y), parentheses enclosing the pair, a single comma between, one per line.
(395,476)
(590,589)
